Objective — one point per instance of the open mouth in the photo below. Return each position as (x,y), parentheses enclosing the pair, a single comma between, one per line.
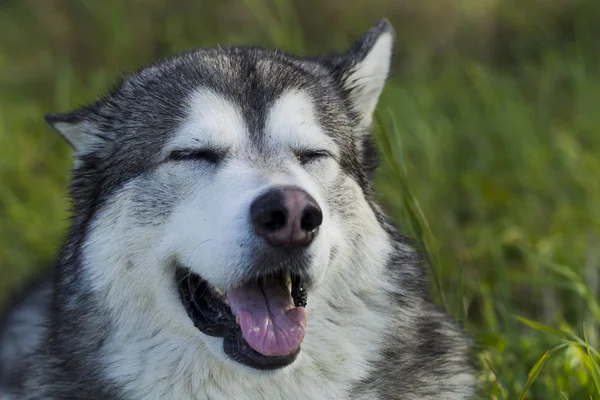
(262,321)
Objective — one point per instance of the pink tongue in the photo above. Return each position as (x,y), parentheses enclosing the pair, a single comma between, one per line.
(270,322)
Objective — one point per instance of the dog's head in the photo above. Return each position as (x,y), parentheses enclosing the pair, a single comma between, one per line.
(231,181)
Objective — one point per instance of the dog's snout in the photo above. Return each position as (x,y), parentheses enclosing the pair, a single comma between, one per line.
(286,217)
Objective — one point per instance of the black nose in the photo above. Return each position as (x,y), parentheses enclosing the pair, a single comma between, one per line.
(286,217)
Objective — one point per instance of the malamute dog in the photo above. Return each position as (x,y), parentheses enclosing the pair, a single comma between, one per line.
(226,243)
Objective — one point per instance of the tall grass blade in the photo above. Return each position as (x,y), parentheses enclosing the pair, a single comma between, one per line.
(593,367)
(418,221)
(537,368)
(547,329)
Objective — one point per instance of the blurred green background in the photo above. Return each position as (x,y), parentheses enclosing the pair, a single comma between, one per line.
(489,129)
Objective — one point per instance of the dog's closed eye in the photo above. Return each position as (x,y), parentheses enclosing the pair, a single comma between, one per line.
(308,156)
(208,155)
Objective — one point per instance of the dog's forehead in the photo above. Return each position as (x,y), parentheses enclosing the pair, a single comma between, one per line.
(218,120)
(220,98)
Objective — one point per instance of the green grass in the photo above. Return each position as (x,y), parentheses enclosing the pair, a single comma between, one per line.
(490,141)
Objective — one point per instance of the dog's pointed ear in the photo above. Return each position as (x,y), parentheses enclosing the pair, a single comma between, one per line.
(79,131)
(364,69)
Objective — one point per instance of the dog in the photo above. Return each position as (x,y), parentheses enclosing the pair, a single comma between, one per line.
(226,243)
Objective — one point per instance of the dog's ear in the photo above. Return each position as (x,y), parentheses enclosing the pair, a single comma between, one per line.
(364,69)
(81,132)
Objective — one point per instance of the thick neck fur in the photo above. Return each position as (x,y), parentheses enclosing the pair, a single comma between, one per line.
(153,350)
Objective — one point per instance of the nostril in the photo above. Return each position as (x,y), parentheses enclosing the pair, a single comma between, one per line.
(268,213)
(274,220)
(311,219)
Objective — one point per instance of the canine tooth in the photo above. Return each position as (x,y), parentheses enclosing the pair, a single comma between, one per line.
(288,280)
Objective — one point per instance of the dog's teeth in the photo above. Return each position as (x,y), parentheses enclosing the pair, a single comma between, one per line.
(288,280)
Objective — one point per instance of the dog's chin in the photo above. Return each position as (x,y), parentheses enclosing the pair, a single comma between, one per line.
(262,321)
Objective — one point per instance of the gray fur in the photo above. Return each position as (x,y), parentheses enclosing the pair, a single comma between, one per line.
(22,328)
(117,329)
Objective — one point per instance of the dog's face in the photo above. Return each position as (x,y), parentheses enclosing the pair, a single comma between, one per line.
(250,198)
(233,178)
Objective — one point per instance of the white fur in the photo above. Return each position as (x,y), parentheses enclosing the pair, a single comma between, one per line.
(366,79)
(163,355)
(212,121)
(156,351)
(293,124)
